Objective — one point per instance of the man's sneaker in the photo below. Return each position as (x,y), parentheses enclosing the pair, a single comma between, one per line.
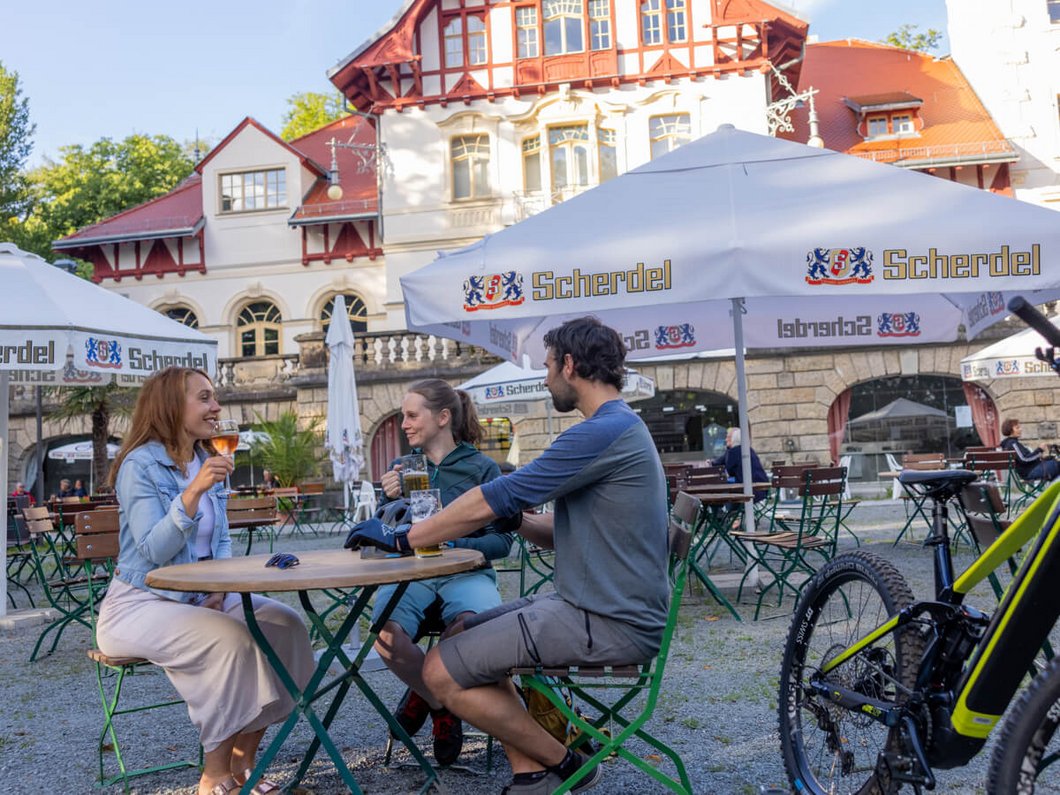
(448,734)
(412,712)
(550,782)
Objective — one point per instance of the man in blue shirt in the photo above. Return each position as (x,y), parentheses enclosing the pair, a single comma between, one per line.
(609,533)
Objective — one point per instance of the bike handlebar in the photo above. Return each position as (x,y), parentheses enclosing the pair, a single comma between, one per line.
(1036,320)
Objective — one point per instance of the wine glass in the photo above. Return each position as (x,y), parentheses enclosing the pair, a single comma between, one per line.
(225,439)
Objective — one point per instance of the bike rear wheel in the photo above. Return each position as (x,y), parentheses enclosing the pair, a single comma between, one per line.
(828,749)
(1026,757)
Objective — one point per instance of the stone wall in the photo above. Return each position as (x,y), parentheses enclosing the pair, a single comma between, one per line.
(789,394)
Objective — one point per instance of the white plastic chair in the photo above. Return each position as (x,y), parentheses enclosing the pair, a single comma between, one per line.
(366,503)
(844,461)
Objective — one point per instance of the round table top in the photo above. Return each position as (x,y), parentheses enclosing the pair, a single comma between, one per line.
(320,568)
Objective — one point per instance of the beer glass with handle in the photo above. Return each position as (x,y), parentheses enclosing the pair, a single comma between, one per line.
(424,503)
(414,474)
(225,439)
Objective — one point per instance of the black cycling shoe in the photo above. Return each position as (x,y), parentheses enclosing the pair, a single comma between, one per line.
(412,712)
(448,734)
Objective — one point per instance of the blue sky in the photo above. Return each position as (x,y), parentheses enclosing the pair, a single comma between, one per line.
(111,68)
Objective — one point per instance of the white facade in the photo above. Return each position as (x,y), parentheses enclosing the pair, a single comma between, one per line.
(1010,52)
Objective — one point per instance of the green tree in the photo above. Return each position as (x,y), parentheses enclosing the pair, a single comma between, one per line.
(88,185)
(309,111)
(101,403)
(16,143)
(906,38)
(291,453)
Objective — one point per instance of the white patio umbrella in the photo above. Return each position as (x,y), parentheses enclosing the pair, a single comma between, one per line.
(80,451)
(56,328)
(343,439)
(505,385)
(1012,357)
(745,240)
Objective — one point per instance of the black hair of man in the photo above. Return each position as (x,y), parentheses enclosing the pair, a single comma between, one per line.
(597,350)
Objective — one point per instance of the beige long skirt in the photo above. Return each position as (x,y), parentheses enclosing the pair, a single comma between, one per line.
(210,656)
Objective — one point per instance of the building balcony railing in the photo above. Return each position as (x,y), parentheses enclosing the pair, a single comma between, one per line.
(374,354)
(531,203)
(991,150)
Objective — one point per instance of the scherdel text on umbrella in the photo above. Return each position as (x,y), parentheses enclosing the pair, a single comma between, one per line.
(640,279)
(28,353)
(897,264)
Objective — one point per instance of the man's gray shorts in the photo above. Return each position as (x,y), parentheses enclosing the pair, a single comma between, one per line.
(536,630)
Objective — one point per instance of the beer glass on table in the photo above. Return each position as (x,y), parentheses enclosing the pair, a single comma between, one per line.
(414,475)
(424,503)
(225,440)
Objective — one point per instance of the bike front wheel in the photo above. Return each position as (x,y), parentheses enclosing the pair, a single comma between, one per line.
(827,748)
(1026,758)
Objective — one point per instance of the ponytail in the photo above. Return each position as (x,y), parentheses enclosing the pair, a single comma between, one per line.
(438,395)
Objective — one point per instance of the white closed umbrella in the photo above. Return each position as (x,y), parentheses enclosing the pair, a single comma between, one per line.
(60,329)
(1012,357)
(343,438)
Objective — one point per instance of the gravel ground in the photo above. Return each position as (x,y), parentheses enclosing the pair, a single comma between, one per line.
(718,706)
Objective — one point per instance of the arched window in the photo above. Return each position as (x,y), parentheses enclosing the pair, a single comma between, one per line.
(181,314)
(470,159)
(668,132)
(356,311)
(569,156)
(259,329)
(564,26)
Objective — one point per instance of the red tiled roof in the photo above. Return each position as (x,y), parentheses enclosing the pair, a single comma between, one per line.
(177,213)
(956,124)
(892,98)
(360,197)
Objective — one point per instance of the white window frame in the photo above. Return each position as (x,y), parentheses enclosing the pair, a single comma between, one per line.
(472,149)
(902,124)
(599,25)
(260,321)
(563,11)
(531,148)
(528,43)
(267,193)
(477,47)
(676,21)
(651,29)
(453,34)
(665,133)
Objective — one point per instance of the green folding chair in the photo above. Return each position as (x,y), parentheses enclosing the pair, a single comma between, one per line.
(65,584)
(97,546)
(611,690)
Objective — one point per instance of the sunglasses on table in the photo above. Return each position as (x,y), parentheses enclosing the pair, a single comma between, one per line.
(283,560)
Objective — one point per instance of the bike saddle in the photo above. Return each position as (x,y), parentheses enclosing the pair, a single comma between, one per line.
(938,485)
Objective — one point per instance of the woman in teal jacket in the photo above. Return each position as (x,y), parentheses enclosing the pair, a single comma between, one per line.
(440,422)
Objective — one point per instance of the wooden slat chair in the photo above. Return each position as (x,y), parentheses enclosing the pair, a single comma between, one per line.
(60,575)
(291,502)
(995,466)
(612,689)
(794,544)
(96,536)
(722,517)
(254,515)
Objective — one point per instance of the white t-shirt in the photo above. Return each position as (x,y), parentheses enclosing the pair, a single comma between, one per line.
(204,535)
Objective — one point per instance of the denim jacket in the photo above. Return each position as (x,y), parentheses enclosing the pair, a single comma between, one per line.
(155,529)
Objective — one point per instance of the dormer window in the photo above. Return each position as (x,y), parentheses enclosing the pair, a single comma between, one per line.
(253,190)
(886,115)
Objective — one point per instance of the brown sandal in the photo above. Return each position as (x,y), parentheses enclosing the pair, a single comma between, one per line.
(263,787)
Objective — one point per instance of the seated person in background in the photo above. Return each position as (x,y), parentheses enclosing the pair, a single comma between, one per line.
(267,483)
(1030,464)
(65,489)
(79,489)
(732,460)
(20,491)
(440,422)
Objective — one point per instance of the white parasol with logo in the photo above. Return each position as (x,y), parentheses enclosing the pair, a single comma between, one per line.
(1012,357)
(58,329)
(745,240)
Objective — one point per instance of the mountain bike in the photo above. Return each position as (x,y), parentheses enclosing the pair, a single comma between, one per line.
(879,691)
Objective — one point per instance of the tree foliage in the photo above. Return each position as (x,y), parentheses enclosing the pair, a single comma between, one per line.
(101,403)
(89,185)
(291,453)
(16,133)
(907,38)
(309,111)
